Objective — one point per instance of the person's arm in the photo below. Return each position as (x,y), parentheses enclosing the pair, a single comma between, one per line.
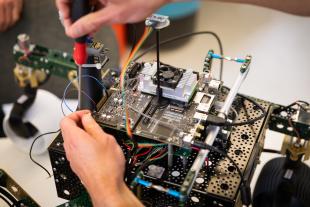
(10,12)
(97,160)
(108,12)
(297,7)
(130,11)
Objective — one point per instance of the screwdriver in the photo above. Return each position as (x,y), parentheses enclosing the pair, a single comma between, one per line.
(79,8)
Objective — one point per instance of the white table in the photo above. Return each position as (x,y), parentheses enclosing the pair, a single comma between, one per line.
(31,178)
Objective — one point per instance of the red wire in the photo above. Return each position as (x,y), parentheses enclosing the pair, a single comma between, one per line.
(128,147)
(195,148)
(160,154)
(144,153)
(207,161)
(135,158)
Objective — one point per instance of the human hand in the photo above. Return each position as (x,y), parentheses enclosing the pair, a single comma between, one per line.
(94,155)
(10,12)
(109,12)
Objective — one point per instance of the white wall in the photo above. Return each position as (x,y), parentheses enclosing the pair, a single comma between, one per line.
(278,42)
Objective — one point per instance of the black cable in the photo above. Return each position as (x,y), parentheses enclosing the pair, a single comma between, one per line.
(271,151)
(218,121)
(7,195)
(298,104)
(251,121)
(184,36)
(301,101)
(30,151)
(5,200)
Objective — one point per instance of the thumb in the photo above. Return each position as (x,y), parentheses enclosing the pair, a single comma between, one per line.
(91,126)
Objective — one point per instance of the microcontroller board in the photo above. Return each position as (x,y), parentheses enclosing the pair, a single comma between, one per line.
(165,127)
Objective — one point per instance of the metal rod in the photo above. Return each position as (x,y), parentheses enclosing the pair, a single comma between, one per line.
(80,87)
(158,64)
(170,155)
(213,132)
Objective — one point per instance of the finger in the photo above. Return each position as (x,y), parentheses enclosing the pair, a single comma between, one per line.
(9,8)
(72,134)
(15,11)
(91,126)
(77,116)
(90,23)
(67,151)
(64,7)
(3,17)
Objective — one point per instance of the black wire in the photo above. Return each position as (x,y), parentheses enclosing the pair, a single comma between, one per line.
(184,36)
(304,102)
(8,196)
(271,151)
(298,104)
(30,151)
(5,200)
(251,121)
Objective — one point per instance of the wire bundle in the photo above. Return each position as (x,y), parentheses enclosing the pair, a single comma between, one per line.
(154,151)
(147,32)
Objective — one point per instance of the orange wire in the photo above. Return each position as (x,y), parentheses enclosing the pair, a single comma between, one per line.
(122,79)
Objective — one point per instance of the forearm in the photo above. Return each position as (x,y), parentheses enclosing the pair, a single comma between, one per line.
(300,7)
(108,196)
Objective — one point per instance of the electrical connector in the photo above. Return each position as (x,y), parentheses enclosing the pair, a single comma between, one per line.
(215,120)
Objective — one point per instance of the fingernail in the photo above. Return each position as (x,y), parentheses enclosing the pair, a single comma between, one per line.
(88,117)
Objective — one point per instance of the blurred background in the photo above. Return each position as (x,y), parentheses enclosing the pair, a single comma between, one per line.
(278,42)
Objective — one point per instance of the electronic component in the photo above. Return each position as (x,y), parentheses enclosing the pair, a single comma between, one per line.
(168,76)
(155,171)
(157,21)
(176,84)
(178,125)
(133,70)
(279,120)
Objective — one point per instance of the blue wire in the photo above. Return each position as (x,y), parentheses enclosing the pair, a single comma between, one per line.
(70,83)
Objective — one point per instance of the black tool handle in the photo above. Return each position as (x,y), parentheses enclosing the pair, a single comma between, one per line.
(79,8)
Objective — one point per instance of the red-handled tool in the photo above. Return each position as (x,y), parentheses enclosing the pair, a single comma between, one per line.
(78,10)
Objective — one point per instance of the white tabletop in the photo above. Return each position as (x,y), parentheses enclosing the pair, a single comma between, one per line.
(31,178)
